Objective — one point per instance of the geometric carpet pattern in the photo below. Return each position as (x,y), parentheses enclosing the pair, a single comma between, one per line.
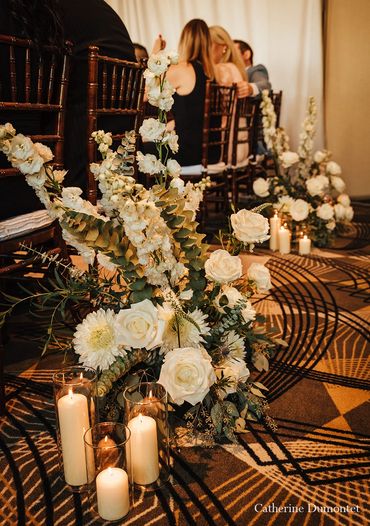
(313,469)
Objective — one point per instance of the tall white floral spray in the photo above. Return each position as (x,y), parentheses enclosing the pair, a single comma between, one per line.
(306,188)
(158,298)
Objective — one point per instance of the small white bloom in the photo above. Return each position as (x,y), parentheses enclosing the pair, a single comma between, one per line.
(149,164)
(320,156)
(158,63)
(140,326)
(222,267)
(43,151)
(338,184)
(173,168)
(284,203)
(261,187)
(37,180)
(344,199)
(59,175)
(333,168)
(330,225)
(250,227)
(173,57)
(299,210)
(325,211)
(152,130)
(231,294)
(235,345)
(106,262)
(172,140)
(349,213)
(179,184)
(95,340)
(288,159)
(340,212)
(261,276)
(181,331)
(6,129)
(234,371)
(248,313)
(187,375)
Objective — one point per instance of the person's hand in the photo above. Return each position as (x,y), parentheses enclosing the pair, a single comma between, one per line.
(243,89)
(159,44)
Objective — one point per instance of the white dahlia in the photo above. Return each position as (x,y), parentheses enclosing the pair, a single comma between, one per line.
(96,339)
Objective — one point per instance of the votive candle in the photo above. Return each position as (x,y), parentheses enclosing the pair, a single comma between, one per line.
(112,493)
(304,245)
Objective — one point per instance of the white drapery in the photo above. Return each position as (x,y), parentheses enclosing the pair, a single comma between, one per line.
(286,36)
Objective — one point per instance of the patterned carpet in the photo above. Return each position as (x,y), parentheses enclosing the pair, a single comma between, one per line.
(315,467)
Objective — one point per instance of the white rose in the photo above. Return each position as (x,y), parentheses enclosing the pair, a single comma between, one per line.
(338,184)
(289,158)
(344,199)
(149,164)
(222,267)
(152,130)
(317,185)
(333,168)
(158,63)
(140,326)
(319,156)
(250,227)
(232,295)
(173,168)
(299,210)
(349,213)
(43,151)
(261,276)
(325,212)
(187,374)
(248,313)
(234,371)
(331,224)
(340,212)
(261,187)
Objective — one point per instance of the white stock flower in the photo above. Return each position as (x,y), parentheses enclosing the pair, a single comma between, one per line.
(152,130)
(248,313)
(320,156)
(187,374)
(95,340)
(149,164)
(261,187)
(173,168)
(43,151)
(222,267)
(231,294)
(325,211)
(234,371)
(338,184)
(6,129)
(179,184)
(37,180)
(59,175)
(158,63)
(333,168)
(288,159)
(140,326)
(250,227)
(23,155)
(317,185)
(172,140)
(261,276)
(330,225)
(299,210)
(344,199)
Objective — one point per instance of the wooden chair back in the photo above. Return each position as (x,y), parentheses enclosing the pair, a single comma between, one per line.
(276,98)
(245,127)
(115,89)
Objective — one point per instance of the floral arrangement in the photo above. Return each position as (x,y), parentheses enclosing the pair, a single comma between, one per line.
(307,189)
(153,297)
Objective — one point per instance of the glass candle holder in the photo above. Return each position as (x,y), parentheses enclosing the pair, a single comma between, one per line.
(108,465)
(75,407)
(146,415)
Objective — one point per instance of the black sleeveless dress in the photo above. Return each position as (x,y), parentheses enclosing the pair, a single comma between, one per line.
(188,111)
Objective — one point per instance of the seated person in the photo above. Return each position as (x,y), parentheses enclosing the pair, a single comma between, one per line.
(140,52)
(258,76)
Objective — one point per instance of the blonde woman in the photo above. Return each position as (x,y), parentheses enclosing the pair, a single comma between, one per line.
(229,69)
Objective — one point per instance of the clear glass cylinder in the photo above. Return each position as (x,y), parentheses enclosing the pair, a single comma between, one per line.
(107,453)
(75,407)
(146,415)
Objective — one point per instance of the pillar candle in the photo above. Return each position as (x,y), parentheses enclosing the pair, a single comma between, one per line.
(304,246)
(274,232)
(284,240)
(73,415)
(144,449)
(112,494)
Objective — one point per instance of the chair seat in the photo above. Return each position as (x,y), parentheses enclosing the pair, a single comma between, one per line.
(24,224)
(242,164)
(198,169)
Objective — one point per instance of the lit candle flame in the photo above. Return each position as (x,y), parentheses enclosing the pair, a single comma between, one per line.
(150,394)
(81,376)
(106,438)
